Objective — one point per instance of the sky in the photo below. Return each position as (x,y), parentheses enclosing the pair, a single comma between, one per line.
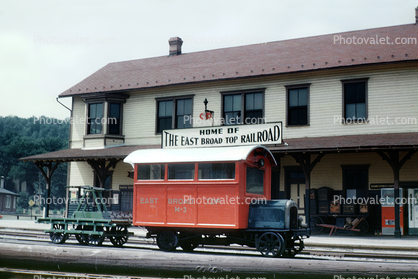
(47,46)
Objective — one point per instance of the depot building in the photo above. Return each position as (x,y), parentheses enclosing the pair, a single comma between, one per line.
(340,119)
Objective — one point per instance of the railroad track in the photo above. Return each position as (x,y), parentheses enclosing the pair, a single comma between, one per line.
(310,252)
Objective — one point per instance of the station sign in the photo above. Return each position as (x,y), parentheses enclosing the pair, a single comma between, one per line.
(223,136)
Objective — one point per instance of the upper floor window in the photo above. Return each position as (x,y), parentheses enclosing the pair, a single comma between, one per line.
(95,115)
(243,107)
(355,100)
(297,105)
(104,114)
(174,114)
(114,119)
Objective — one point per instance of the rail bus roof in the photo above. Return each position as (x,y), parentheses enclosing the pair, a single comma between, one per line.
(185,155)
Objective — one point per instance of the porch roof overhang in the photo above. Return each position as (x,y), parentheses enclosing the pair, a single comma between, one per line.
(78,154)
(349,143)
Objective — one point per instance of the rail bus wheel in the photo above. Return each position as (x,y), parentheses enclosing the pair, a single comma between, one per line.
(167,240)
(119,235)
(58,237)
(296,246)
(270,244)
(188,242)
(315,221)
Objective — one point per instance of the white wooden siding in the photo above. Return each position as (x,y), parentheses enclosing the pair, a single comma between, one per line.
(328,172)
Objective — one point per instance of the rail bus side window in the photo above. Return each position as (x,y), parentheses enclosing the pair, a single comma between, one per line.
(150,172)
(181,171)
(217,171)
(255,181)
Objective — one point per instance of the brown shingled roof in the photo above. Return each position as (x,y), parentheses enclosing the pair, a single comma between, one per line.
(304,54)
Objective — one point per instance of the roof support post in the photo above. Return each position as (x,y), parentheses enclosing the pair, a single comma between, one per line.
(50,168)
(304,160)
(101,169)
(392,157)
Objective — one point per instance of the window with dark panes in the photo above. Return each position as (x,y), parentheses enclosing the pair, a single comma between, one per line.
(255,181)
(217,171)
(95,115)
(355,180)
(115,119)
(150,172)
(253,108)
(181,171)
(355,101)
(184,113)
(297,107)
(165,115)
(232,109)
(175,113)
(243,108)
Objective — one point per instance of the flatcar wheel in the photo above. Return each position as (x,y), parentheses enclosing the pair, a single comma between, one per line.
(58,237)
(167,240)
(270,244)
(81,238)
(95,240)
(315,221)
(120,235)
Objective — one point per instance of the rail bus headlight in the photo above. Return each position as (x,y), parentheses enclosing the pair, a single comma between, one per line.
(261,163)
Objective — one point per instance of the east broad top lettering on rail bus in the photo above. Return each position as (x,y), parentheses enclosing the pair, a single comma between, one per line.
(270,133)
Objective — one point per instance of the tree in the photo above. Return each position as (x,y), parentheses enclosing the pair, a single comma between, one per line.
(21,137)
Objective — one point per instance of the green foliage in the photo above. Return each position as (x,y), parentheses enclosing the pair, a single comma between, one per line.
(22,200)
(22,137)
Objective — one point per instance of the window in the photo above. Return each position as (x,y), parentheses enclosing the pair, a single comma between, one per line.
(355,181)
(174,114)
(253,107)
(217,171)
(115,119)
(297,105)
(95,115)
(243,107)
(232,109)
(181,171)
(8,201)
(355,100)
(184,113)
(255,181)
(150,172)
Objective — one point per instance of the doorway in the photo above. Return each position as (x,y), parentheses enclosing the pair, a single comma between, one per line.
(295,187)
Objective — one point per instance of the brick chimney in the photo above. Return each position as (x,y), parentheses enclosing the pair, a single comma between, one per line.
(175,46)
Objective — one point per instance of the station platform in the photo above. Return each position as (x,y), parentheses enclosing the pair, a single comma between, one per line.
(347,241)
